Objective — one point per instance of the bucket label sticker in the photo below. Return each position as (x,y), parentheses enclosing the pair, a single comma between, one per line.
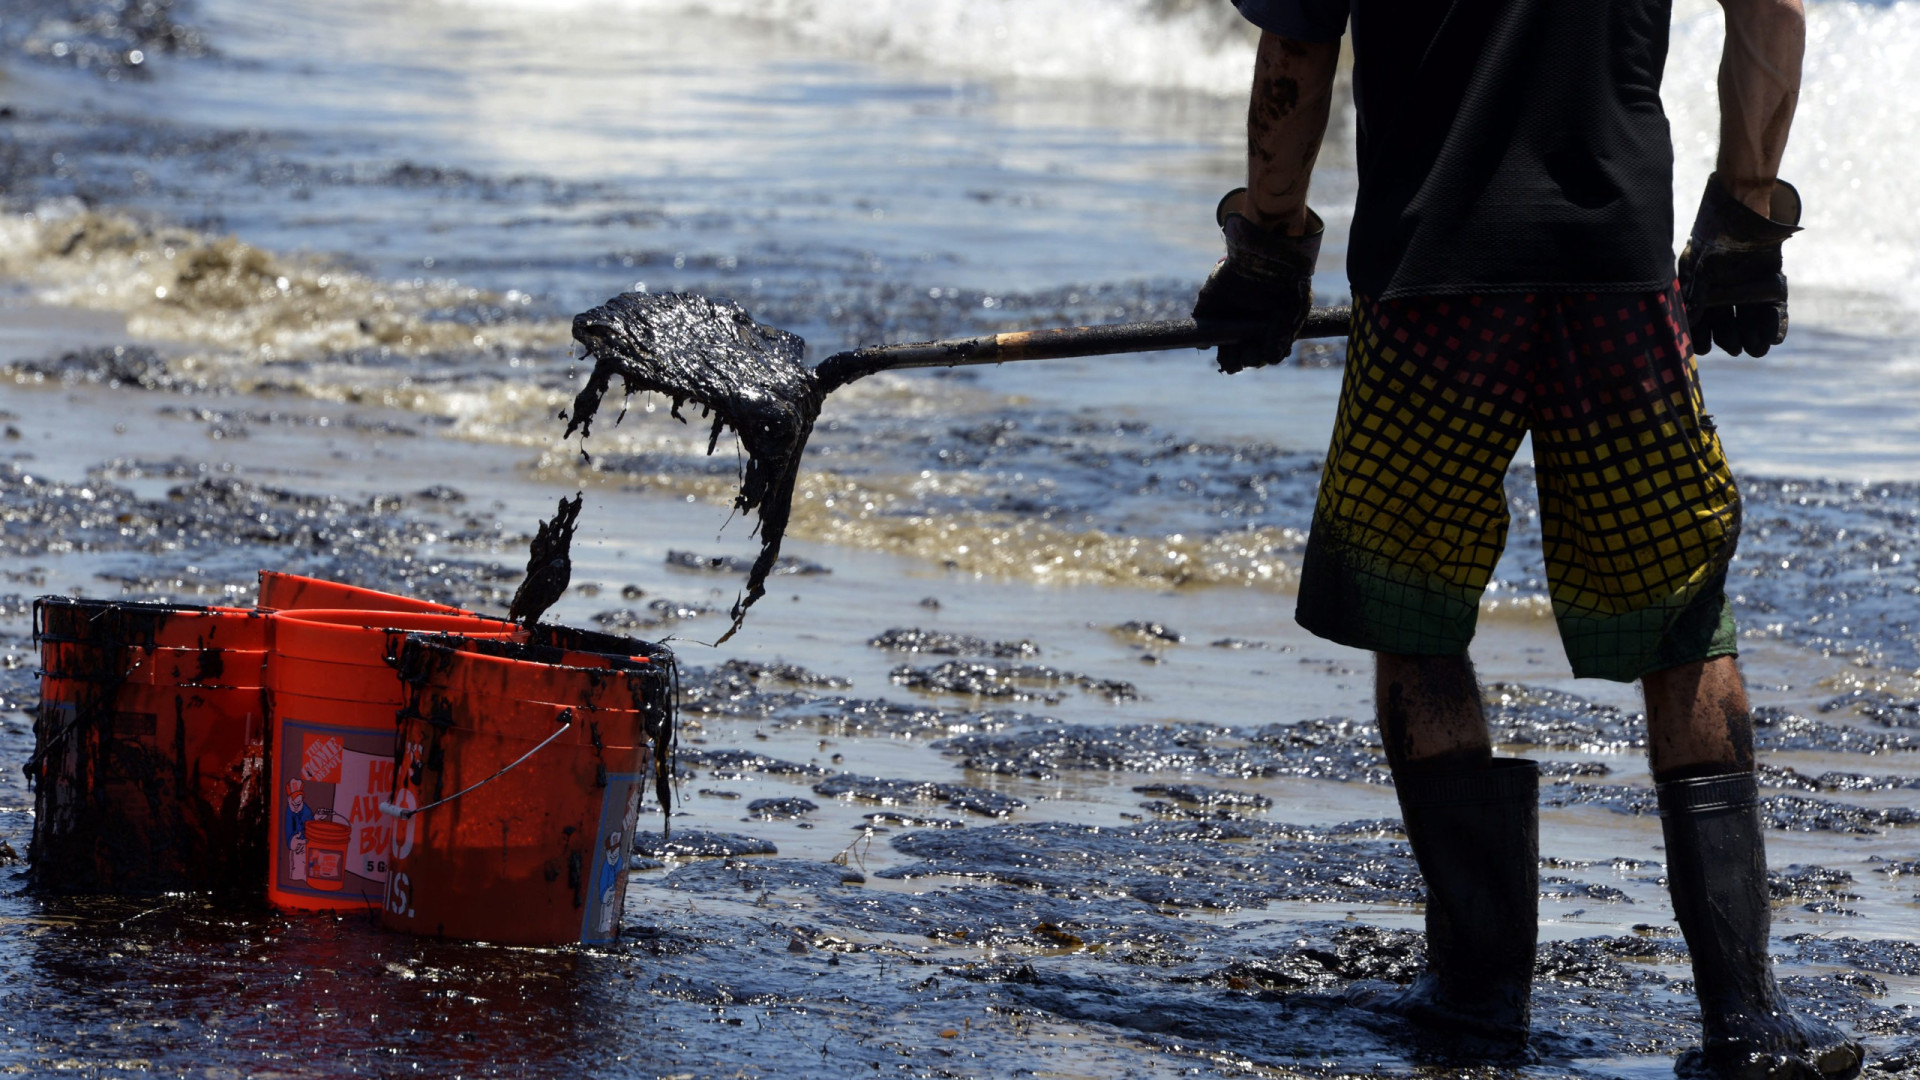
(331,838)
(607,892)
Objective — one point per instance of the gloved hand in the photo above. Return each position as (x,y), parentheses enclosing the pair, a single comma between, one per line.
(1730,278)
(1267,276)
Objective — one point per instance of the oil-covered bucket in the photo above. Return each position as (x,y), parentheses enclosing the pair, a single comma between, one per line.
(335,695)
(149,748)
(521,779)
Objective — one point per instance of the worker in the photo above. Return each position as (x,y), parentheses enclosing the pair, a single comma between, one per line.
(1512,270)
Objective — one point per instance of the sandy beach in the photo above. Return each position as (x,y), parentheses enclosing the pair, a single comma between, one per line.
(1024,768)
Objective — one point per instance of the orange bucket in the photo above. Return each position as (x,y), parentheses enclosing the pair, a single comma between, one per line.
(291,592)
(335,694)
(328,843)
(518,791)
(148,758)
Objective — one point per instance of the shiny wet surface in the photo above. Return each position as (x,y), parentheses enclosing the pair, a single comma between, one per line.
(1021,766)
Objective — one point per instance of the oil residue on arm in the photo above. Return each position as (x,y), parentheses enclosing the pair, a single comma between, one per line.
(745,376)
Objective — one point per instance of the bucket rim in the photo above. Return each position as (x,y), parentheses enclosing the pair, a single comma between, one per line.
(359,618)
(329,825)
(422,663)
(346,635)
(94,610)
(486,651)
(344,590)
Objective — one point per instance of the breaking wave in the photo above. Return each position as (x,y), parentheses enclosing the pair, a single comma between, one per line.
(182,285)
(1851,155)
(1194,45)
(1851,145)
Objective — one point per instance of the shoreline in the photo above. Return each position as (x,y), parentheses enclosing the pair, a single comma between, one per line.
(1128,856)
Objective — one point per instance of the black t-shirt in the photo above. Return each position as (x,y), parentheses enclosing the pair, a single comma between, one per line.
(1504,145)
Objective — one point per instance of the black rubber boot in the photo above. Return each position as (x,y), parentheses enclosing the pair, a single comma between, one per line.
(1476,836)
(1717,872)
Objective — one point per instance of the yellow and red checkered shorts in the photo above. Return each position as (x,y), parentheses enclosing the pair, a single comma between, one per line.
(1638,510)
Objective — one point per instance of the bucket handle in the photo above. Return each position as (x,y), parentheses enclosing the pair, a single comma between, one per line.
(393,810)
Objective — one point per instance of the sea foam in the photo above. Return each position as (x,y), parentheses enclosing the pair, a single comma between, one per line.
(1851,155)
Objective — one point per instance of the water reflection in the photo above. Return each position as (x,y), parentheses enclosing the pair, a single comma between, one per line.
(179,984)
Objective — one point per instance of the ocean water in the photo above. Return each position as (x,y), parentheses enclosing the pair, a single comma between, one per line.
(337,247)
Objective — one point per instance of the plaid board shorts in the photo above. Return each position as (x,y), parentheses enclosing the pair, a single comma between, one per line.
(1638,510)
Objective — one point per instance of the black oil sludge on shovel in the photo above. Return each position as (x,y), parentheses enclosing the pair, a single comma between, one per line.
(750,378)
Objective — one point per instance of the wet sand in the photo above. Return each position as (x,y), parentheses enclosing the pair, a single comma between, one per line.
(959,883)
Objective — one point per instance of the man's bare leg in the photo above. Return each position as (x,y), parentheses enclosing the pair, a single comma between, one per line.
(1698,720)
(1429,712)
(1473,824)
(1700,744)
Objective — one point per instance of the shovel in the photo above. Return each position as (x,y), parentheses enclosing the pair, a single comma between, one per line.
(750,378)
(840,369)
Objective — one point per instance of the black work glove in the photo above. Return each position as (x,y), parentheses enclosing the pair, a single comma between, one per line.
(1730,278)
(1267,277)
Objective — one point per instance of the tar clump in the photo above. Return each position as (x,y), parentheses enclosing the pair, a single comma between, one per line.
(941,643)
(549,565)
(691,843)
(745,376)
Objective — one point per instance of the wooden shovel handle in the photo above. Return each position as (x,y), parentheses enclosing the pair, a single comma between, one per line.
(838,370)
